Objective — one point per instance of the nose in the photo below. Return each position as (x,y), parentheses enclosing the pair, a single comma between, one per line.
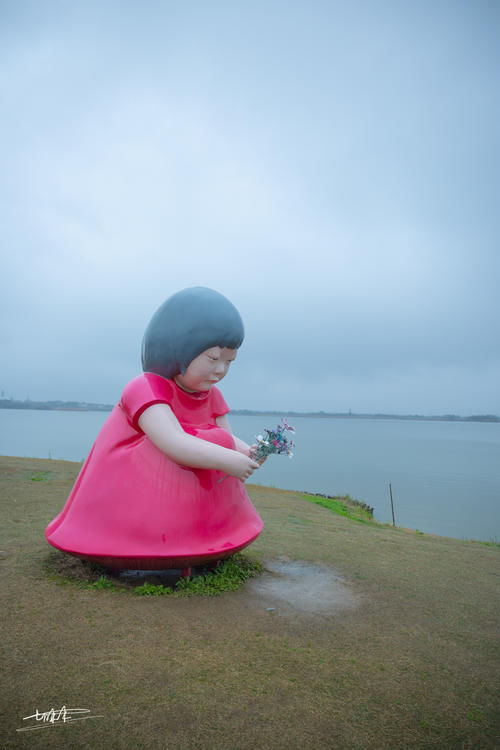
(220,368)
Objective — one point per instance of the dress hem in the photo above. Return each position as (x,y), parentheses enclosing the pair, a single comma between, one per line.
(167,562)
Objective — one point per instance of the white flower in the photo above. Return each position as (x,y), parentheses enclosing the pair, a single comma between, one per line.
(290,454)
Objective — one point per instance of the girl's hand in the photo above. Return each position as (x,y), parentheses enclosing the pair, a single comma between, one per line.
(241,466)
(251,453)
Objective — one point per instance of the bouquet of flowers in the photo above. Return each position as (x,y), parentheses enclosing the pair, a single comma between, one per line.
(274,442)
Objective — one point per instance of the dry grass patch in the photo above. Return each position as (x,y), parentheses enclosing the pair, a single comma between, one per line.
(413,665)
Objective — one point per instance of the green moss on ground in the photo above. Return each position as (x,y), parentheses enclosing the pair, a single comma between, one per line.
(343,506)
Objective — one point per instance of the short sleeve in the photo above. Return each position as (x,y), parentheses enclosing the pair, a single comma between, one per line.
(142,392)
(219,406)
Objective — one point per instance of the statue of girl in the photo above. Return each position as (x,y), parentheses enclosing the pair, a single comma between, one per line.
(150,495)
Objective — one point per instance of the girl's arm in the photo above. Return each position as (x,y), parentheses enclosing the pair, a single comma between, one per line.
(162,427)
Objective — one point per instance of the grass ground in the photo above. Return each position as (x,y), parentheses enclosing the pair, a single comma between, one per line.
(413,665)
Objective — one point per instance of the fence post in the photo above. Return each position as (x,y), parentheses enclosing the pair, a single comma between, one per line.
(392,506)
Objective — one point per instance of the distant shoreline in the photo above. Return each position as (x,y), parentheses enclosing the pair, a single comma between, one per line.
(83,406)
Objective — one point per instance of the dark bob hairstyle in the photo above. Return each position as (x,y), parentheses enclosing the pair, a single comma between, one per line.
(188,323)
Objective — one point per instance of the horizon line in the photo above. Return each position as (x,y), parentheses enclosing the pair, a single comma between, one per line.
(58,405)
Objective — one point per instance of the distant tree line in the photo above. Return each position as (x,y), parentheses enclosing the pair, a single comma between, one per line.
(352,415)
(53,405)
(84,406)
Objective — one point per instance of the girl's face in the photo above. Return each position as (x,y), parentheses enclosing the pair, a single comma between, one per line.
(206,369)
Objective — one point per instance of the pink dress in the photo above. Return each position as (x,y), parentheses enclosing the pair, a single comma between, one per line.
(133,507)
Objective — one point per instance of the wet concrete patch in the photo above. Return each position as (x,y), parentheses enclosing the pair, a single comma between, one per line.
(303,586)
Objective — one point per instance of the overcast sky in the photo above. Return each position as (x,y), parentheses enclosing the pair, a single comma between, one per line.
(331,167)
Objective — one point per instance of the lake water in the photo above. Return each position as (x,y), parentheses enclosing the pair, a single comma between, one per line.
(445,476)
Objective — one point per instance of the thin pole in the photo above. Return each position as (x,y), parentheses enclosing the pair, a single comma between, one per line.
(392,505)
